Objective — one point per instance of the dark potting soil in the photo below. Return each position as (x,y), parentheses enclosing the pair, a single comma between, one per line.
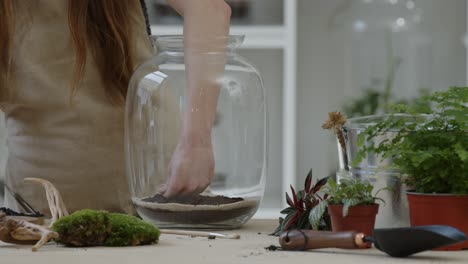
(196,216)
(194,200)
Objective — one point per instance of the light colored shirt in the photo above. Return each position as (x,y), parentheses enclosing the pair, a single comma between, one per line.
(79,147)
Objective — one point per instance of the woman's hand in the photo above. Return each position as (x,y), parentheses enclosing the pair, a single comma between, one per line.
(206,25)
(191,167)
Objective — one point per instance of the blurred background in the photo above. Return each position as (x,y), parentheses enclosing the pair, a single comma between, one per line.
(318,56)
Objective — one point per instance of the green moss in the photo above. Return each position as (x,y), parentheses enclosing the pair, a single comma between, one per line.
(97,228)
(130,231)
(83,228)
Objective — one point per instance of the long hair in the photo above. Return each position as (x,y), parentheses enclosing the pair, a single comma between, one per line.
(102,28)
(6,31)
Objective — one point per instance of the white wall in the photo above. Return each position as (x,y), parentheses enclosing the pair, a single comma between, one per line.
(320,77)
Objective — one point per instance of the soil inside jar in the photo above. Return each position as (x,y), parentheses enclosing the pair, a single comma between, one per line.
(199,209)
(194,200)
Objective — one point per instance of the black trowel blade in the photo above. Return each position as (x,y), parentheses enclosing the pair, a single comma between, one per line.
(402,242)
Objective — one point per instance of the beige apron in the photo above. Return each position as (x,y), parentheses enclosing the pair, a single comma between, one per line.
(77,147)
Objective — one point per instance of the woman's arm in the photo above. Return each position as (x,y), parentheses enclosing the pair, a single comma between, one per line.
(206,26)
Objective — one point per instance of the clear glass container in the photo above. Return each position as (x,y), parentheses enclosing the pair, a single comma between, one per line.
(156,104)
(394,212)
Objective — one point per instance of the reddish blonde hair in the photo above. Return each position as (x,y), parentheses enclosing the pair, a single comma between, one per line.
(101,27)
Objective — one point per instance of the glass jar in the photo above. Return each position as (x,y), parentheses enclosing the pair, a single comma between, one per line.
(380,172)
(156,104)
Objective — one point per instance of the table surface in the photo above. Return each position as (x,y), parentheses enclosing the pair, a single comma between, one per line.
(250,248)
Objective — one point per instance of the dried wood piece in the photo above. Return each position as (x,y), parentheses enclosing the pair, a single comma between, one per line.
(56,205)
(335,122)
(18,231)
(24,233)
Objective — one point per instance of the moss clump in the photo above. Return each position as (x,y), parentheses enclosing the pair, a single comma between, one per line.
(101,228)
(130,231)
(83,228)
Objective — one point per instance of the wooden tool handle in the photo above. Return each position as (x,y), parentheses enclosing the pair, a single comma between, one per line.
(308,239)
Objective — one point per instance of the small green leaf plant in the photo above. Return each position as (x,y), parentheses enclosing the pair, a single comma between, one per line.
(349,192)
(431,151)
(300,205)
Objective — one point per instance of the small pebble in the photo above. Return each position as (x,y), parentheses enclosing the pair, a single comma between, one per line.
(272,248)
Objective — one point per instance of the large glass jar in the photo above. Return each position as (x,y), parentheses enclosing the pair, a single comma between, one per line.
(154,116)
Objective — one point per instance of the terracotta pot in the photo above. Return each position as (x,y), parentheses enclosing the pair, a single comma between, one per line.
(440,209)
(360,218)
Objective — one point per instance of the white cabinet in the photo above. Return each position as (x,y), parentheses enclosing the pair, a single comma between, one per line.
(270,28)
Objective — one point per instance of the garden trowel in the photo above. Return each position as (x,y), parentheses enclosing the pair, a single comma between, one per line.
(396,242)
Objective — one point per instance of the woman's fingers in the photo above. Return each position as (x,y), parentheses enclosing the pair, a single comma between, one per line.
(184,189)
(190,170)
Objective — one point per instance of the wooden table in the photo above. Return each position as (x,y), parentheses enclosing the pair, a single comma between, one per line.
(249,249)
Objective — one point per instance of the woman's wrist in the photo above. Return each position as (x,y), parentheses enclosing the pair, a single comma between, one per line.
(196,136)
(197,126)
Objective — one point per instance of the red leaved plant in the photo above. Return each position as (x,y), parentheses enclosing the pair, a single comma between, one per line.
(300,205)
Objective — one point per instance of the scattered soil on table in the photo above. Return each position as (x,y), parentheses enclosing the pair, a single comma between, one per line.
(272,248)
(194,210)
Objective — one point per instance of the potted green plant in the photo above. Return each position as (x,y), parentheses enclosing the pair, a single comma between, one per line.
(431,151)
(350,204)
(300,204)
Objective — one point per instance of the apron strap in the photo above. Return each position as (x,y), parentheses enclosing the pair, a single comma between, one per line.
(145,13)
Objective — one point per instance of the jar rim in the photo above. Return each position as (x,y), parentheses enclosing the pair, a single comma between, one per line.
(362,122)
(176,42)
